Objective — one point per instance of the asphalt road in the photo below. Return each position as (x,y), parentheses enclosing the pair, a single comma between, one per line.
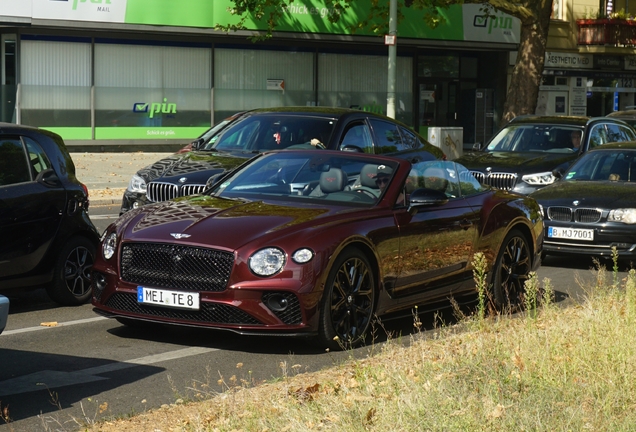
(63,367)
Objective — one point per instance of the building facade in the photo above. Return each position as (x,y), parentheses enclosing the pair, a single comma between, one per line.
(590,63)
(140,72)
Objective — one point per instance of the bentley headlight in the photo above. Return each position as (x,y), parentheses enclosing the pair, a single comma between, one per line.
(109,245)
(267,262)
(625,215)
(137,184)
(539,179)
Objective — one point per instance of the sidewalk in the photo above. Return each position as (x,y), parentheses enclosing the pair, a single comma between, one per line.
(107,174)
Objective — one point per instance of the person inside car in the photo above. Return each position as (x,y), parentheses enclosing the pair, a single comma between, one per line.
(575,137)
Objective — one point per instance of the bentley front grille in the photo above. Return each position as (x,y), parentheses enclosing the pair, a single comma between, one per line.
(505,181)
(209,312)
(567,214)
(176,266)
(158,191)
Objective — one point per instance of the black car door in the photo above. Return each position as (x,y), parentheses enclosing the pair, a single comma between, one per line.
(30,211)
(436,242)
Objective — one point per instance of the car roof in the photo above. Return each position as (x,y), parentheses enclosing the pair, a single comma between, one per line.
(5,125)
(628,145)
(334,112)
(556,120)
(631,113)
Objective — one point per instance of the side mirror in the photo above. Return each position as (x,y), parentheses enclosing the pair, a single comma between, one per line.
(48,178)
(558,173)
(197,144)
(214,179)
(426,198)
(477,146)
(351,148)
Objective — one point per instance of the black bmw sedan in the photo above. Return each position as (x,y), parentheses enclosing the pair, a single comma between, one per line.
(523,155)
(266,129)
(593,206)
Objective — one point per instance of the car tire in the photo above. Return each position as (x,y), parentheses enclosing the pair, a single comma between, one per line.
(512,267)
(348,302)
(71,283)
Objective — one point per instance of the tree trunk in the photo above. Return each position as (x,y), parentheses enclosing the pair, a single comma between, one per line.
(523,90)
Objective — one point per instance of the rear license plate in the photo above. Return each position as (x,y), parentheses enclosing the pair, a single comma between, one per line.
(168,298)
(571,233)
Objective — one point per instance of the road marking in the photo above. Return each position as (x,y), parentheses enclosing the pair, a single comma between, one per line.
(62,324)
(54,379)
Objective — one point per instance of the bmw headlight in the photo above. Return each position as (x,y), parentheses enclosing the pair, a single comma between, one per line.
(267,262)
(626,215)
(109,245)
(539,179)
(137,184)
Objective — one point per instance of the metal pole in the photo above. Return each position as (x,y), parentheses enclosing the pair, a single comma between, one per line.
(391,77)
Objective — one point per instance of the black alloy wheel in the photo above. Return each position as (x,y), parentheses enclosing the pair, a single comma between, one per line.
(348,301)
(72,274)
(512,267)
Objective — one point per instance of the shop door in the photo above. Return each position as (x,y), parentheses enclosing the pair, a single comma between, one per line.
(8,63)
(438,102)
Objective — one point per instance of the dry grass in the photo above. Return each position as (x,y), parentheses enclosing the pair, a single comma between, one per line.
(553,370)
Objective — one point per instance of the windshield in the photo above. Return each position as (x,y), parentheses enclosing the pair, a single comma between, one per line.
(605,165)
(537,138)
(344,179)
(209,135)
(257,133)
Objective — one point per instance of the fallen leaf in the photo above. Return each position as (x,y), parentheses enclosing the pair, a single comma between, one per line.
(49,324)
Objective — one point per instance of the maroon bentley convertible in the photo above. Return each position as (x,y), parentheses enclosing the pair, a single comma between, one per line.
(316,243)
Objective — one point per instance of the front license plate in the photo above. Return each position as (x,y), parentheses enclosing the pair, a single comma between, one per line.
(168,298)
(571,233)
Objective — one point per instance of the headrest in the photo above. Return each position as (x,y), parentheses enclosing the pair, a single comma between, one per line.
(367,176)
(333,180)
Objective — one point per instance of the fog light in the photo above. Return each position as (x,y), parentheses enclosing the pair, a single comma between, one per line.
(135,205)
(277,303)
(99,281)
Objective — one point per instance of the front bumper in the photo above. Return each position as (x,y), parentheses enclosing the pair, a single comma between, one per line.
(244,309)
(606,236)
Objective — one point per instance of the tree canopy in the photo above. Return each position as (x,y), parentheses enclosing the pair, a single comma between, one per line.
(534,15)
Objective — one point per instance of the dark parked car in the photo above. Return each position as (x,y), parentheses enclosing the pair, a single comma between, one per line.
(47,237)
(315,243)
(593,207)
(270,129)
(524,154)
(628,115)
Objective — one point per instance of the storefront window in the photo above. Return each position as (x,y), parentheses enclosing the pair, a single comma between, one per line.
(360,81)
(149,92)
(246,79)
(56,94)
(438,66)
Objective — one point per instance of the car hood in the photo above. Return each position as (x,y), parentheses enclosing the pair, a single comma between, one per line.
(516,162)
(224,223)
(599,194)
(196,167)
